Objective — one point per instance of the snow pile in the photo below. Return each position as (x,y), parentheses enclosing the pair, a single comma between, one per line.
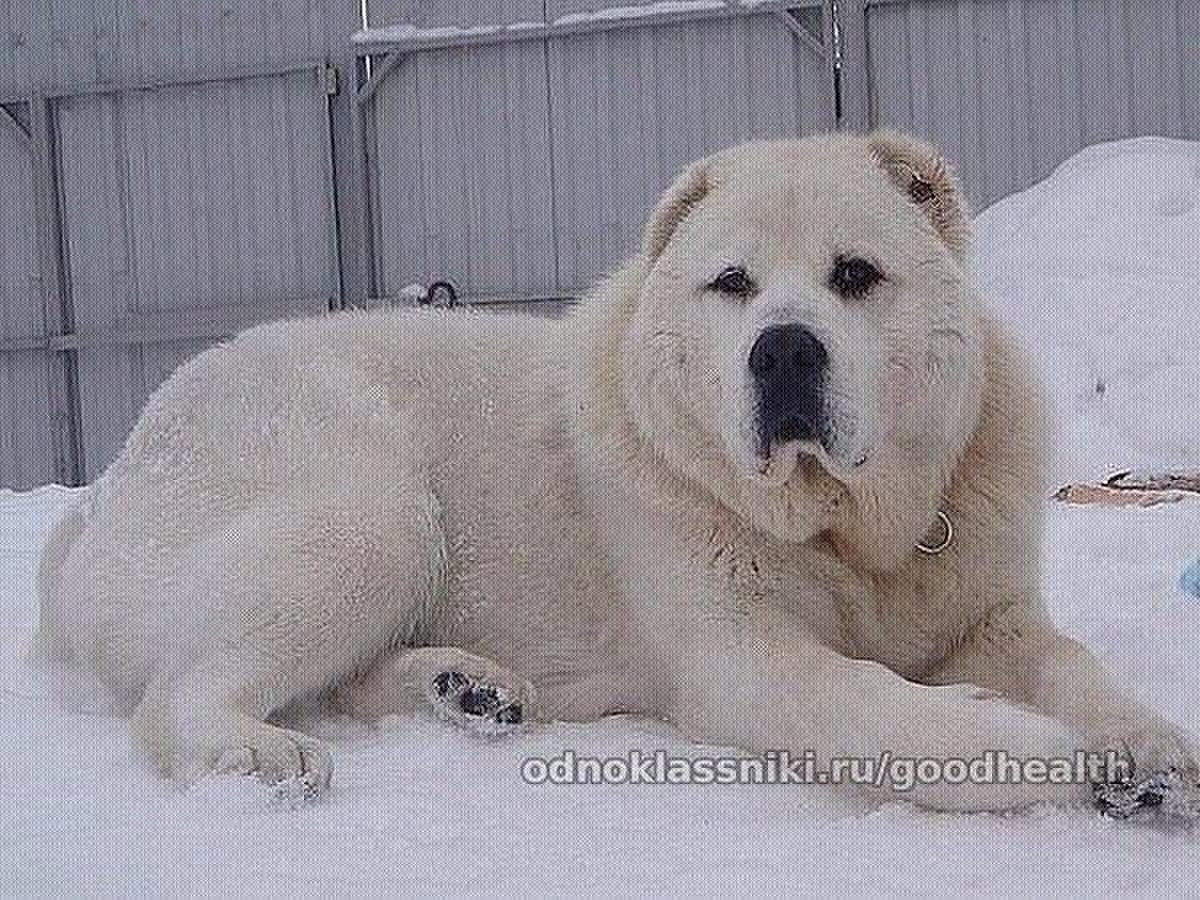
(420,807)
(1098,269)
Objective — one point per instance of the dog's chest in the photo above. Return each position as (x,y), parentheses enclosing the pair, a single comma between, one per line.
(908,622)
(748,571)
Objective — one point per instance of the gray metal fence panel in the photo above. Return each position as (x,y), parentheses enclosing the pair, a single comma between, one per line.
(461,164)
(166,195)
(16,17)
(192,200)
(178,201)
(630,107)
(463,176)
(524,168)
(26,443)
(95,41)
(1009,89)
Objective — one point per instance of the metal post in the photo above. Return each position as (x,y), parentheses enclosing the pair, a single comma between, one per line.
(850,52)
(343,118)
(57,309)
(329,87)
(363,183)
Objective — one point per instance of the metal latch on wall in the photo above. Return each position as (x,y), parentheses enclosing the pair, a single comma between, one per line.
(332,85)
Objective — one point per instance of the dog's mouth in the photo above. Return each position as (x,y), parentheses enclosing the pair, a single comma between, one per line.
(779,462)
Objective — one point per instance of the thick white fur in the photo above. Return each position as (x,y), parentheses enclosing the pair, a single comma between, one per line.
(359,501)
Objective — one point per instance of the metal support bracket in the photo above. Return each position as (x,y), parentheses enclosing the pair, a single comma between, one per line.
(10,121)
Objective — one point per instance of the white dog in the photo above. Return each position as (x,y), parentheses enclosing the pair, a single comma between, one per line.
(713,494)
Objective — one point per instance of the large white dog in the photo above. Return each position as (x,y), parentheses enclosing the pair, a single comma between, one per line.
(779,480)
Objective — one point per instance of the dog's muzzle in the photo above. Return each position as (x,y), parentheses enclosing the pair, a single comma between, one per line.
(789,366)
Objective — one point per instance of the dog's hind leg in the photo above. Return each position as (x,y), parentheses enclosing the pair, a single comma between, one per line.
(48,643)
(312,590)
(468,690)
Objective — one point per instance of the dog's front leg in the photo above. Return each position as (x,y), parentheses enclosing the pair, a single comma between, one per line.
(760,682)
(1017,652)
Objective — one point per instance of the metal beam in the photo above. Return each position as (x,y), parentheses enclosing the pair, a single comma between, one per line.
(183,80)
(10,121)
(802,34)
(329,78)
(181,325)
(379,71)
(226,321)
(343,112)
(53,274)
(396,48)
(852,71)
(363,185)
(190,324)
(23,344)
(552,305)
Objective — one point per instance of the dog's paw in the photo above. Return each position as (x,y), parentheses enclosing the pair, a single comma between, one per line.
(1147,746)
(1155,765)
(293,764)
(1120,800)
(485,707)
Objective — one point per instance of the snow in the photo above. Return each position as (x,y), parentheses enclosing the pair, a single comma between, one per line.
(411,33)
(616,13)
(1109,240)
(408,33)
(1098,269)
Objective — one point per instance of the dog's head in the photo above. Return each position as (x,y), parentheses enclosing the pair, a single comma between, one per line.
(805,341)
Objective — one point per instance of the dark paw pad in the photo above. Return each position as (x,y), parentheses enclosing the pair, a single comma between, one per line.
(487,708)
(1121,800)
(446,684)
(512,714)
(479,700)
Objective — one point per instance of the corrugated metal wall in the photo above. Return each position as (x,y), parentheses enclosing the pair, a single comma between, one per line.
(525,168)
(463,180)
(26,443)
(1010,88)
(179,202)
(187,179)
(630,108)
(168,168)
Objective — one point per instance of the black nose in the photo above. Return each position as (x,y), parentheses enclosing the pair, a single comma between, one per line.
(789,365)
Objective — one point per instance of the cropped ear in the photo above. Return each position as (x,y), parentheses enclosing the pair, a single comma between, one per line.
(927,180)
(686,191)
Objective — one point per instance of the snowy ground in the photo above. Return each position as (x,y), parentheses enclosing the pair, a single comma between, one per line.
(1098,269)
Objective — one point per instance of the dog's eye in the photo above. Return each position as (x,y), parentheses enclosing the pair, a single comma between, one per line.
(853,276)
(733,281)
